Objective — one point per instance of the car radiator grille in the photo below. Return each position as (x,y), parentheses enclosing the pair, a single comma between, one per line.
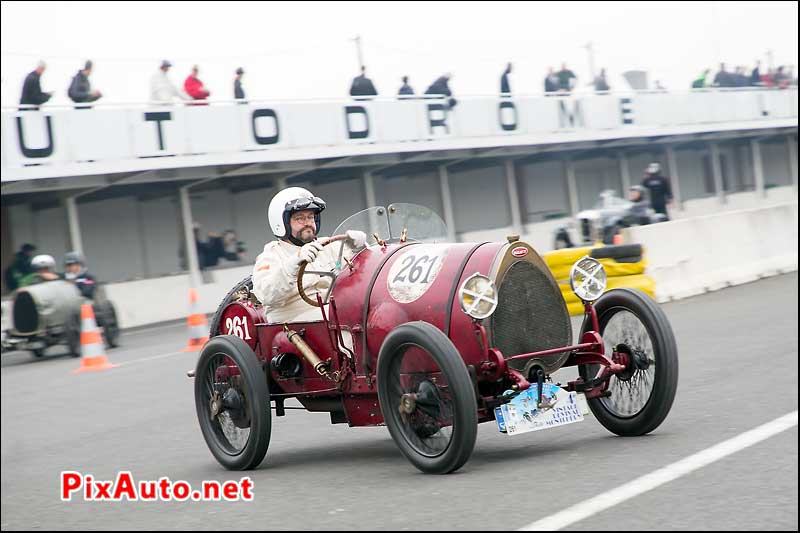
(26,318)
(531,314)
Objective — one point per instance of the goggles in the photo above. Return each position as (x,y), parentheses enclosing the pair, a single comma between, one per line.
(300,204)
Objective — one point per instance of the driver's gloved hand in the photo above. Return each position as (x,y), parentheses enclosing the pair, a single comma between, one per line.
(309,252)
(356,238)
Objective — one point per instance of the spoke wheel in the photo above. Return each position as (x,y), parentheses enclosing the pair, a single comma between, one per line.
(634,326)
(427,398)
(232,401)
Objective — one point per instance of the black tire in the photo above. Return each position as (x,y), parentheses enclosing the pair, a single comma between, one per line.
(214,326)
(618,252)
(108,323)
(454,401)
(73,334)
(252,393)
(618,312)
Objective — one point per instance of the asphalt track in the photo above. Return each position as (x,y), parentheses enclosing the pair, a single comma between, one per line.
(738,370)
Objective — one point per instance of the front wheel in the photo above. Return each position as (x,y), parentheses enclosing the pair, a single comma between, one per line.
(427,398)
(232,400)
(640,397)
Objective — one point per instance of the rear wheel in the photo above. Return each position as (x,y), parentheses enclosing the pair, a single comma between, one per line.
(232,402)
(641,397)
(73,334)
(427,398)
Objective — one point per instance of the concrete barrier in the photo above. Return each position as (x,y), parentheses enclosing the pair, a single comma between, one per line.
(685,257)
(696,255)
(164,299)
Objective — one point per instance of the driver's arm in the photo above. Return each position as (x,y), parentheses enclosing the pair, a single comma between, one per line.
(275,272)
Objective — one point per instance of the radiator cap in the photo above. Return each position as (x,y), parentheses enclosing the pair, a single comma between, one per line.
(512,239)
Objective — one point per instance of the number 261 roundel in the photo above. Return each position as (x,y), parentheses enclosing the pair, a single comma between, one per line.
(238,320)
(413,272)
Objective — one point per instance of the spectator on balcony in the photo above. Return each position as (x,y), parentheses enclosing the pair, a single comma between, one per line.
(755,75)
(740,77)
(162,90)
(362,86)
(600,83)
(566,79)
(80,90)
(505,86)
(780,79)
(194,87)
(723,78)
(238,92)
(441,87)
(550,81)
(405,89)
(32,93)
(768,78)
(700,81)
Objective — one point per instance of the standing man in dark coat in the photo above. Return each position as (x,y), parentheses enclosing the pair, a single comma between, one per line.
(362,85)
(551,81)
(566,79)
(659,188)
(32,93)
(80,90)
(505,86)
(441,87)
(405,89)
(238,92)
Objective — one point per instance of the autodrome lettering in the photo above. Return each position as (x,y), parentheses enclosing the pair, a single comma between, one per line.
(358,123)
(87,488)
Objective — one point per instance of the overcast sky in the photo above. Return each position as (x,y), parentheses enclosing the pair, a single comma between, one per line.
(305,50)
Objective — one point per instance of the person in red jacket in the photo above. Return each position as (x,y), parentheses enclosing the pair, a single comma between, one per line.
(194,87)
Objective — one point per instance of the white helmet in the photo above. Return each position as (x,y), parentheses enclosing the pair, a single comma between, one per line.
(289,201)
(653,168)
(43,261)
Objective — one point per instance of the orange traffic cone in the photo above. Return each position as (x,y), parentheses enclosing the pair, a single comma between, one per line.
(198,325)
(93,352)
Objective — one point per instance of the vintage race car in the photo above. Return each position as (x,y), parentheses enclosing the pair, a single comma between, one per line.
(431,338)
(605,220)
(49,313)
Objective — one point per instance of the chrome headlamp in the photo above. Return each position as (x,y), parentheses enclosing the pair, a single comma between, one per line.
(588,279)
(478,296)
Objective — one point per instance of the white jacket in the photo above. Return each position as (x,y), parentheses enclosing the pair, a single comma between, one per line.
(275,280)
(162,90)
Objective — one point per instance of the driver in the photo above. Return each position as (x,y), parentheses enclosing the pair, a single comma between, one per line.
(43,270)
(640,207)
(294,218)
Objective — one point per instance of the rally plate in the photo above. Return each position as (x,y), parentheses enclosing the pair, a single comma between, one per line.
(558,408)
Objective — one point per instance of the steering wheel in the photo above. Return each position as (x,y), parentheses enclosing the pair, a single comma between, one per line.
(332,274)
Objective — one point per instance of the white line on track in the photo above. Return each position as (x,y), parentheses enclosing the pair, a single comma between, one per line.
(145,359)
(669,473)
